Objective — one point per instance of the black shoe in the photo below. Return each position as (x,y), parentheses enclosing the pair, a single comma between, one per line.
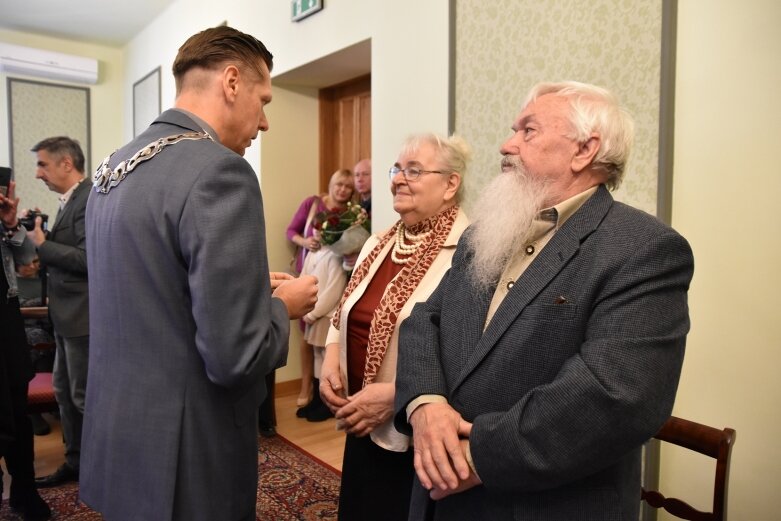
(30,505)
(62,475)
(318,412)
(267,431)
(40,425)
(301,412)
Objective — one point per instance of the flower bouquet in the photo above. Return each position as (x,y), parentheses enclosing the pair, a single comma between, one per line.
(344,232)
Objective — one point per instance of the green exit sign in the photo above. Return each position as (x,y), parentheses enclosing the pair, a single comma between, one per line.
(303,8)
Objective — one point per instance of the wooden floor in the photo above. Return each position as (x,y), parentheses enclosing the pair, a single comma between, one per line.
(319,439)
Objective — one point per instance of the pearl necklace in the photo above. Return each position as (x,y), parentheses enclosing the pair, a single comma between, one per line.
(400,246)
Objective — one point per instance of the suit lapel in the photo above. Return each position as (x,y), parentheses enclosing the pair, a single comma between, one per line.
(564,244)
(68,208)
(57,220)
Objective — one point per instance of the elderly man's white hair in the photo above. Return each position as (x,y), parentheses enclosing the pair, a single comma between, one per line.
(595,109)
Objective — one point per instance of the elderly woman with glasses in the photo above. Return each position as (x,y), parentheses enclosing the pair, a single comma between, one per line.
(395,269)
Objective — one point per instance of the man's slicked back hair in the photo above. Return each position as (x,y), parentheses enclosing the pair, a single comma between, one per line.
(215,46)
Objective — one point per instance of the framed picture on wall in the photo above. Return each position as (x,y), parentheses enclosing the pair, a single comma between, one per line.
(146,101)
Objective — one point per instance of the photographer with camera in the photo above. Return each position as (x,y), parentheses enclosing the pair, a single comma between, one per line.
(62,251)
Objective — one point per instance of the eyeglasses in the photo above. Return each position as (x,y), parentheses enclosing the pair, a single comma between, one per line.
(410,173)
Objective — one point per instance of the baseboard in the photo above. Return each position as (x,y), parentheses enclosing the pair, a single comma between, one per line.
(288,387)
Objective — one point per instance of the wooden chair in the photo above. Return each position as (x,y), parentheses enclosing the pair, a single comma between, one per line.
(708,441)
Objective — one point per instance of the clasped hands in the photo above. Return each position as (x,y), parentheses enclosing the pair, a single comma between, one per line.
(440,435)
(362,412)
(440,440)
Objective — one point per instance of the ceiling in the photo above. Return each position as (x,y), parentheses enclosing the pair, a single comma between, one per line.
(104,22)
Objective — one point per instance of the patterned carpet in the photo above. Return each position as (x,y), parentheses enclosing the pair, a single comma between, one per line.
(294,486)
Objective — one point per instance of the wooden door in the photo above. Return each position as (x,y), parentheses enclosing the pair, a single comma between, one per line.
(345,126)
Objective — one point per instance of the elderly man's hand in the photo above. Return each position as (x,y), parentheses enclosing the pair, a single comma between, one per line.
(439,460)
(463,484)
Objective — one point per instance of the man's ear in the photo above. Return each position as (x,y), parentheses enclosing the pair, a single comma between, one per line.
(586,152)
(230,81)
(67,163)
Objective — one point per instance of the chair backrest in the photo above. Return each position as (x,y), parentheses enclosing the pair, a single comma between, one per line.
(708,441)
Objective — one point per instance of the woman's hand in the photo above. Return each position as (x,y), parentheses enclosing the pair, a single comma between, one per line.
(332,389)
(367,409)
(311,244)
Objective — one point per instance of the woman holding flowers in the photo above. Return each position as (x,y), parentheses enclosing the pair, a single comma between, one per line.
(300,233)
(395,269)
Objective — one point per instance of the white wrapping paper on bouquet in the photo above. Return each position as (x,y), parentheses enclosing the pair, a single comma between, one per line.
(351,241)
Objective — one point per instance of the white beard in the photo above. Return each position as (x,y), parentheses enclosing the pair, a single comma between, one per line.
(502,220)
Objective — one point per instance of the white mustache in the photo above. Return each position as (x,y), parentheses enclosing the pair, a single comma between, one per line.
(513,162)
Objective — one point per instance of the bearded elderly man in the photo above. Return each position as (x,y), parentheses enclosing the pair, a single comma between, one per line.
(551,350)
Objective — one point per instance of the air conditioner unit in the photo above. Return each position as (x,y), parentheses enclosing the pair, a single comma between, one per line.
(47,64)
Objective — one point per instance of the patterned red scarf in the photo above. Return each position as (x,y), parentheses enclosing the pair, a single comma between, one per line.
(399,290)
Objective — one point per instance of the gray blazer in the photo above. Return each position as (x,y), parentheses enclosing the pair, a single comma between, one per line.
(65,256)
(184,329)
(577,369)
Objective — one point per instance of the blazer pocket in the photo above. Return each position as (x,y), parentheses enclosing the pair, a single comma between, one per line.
(550,312)
(74,286)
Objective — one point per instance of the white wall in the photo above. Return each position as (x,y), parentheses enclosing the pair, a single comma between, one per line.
(727,183)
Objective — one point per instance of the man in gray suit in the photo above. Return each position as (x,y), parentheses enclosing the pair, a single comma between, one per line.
(551,350)
(63,254)
(184,323)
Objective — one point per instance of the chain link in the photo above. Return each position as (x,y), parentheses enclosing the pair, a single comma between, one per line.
(104,178)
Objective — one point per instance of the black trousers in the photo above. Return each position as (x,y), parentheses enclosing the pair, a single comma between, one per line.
(376,483)
(267,415)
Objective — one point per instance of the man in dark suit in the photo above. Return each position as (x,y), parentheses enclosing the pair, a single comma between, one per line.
(184,323)
(551,350)
(63,255)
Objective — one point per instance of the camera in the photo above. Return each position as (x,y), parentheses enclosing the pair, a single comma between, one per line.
(29,221)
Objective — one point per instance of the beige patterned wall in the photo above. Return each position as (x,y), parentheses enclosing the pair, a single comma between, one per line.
(41,110)
(503,47)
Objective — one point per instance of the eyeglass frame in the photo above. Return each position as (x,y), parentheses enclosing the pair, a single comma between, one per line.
(392,171)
